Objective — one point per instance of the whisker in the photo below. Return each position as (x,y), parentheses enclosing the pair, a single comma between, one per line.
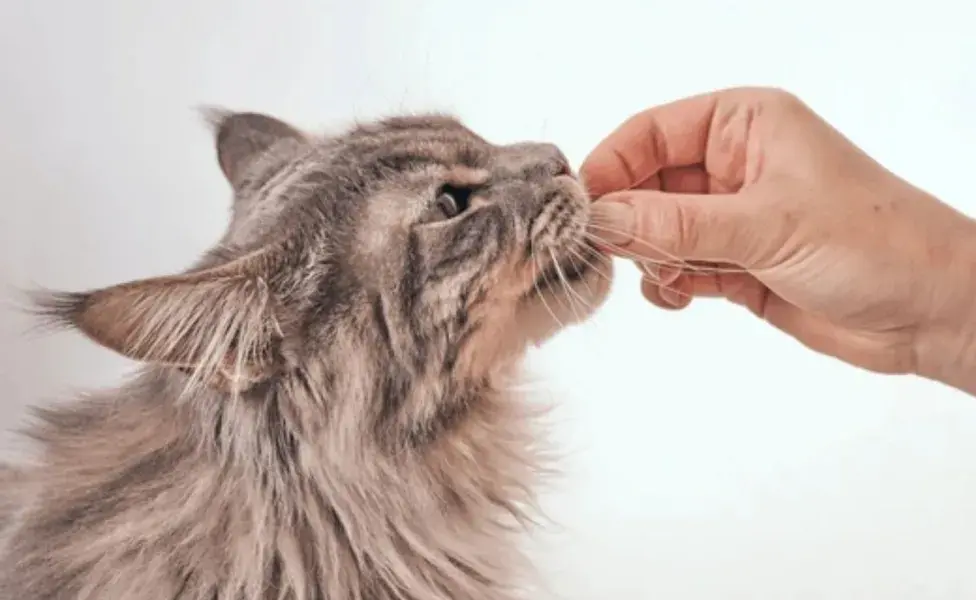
(572,257)
(559,283)
(596,268)
(643,267)
(594,253)
(677,261)
(544,273)
(566,286)
(535,283)
(657,279)
(699,269)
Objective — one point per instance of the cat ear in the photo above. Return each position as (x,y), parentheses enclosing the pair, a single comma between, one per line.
(243,137)
(220,324)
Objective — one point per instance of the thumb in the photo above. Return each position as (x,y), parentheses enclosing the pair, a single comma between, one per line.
(663,226)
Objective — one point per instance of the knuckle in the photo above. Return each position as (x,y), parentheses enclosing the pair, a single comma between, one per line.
(772,96)
(784,100)
(686,221)
(778,95)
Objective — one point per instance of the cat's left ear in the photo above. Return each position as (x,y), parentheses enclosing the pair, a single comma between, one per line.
(221,324)
(243,137)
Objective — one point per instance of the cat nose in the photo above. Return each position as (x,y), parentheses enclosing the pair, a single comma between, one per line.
(544,154)
(561,164)
(550,154)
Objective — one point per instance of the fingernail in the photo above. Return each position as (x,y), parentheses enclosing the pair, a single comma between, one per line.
(612,222)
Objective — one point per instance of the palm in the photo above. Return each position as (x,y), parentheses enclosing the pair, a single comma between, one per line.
(809,318)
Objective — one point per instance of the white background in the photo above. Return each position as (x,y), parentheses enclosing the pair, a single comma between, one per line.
(707,456)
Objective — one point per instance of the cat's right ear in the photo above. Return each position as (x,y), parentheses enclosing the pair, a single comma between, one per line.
(223,323)
(243,137)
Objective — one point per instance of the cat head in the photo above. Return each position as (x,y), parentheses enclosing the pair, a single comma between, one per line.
(411,240)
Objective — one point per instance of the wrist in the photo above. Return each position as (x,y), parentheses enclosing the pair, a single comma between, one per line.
(945,347)
(948,357)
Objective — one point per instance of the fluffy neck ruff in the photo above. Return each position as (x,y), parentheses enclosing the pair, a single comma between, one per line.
(314,488)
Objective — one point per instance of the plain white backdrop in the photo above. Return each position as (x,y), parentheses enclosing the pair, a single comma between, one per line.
(706,455)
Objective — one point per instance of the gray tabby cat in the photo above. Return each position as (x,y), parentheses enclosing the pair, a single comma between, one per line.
(324,408)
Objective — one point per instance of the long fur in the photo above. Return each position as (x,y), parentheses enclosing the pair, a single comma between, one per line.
(10,478)
(325,409)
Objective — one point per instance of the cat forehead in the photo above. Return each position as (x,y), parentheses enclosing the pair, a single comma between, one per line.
(428,122)
(403,140)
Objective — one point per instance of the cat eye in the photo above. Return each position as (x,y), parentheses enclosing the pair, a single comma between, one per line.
(452,201)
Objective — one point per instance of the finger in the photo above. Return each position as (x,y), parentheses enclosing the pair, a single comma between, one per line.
(690,180)
(671,135)
(652,293)
(666,297)
(684,180)
(667,274)
(660,274)
(681,227)
(740,288)
(709,130)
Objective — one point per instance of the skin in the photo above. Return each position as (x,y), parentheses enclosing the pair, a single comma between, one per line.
(749,195)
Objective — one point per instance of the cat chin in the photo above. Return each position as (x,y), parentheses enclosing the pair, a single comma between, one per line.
(544,312)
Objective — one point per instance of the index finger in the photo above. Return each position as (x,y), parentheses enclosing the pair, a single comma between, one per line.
(670,135)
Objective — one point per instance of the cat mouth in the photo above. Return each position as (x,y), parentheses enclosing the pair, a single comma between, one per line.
(562,272)
(569,271)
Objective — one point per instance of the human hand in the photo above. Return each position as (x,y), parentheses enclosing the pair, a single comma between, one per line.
(747,194)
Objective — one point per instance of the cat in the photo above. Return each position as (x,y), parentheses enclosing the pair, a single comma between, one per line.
(324,404)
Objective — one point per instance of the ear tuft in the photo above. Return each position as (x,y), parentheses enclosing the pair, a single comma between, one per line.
(214,116)
(243,137)
(221,324)
(58,310)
